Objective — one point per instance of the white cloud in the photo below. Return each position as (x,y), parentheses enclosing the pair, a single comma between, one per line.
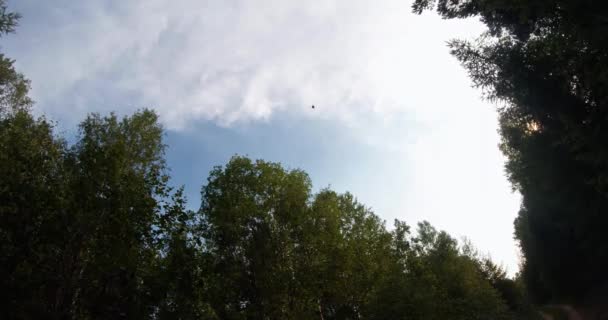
(231,61)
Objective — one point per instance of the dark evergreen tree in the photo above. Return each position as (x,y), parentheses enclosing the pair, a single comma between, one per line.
(544,61)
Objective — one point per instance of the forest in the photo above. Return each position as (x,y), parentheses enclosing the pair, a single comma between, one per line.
(93,227)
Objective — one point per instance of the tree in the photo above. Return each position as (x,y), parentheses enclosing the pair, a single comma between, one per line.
(181,280)
(353,255)
(117,180)
(279,252)
(88,230)
(251,214)
(77,223)
(94,230)
(433,277)
(543,60)
(13,85)
(32,198)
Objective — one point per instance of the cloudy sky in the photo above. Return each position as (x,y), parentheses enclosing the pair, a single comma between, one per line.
(396,120)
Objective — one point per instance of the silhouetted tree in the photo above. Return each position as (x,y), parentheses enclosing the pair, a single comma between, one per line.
(545,62)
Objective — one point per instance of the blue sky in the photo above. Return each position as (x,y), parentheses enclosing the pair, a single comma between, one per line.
(396,120)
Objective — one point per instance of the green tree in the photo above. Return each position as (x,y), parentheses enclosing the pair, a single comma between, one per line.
(435,278)
(31,194)
(93,230)
(353,255)
(280,253)
(14,87)
(117,181)
(181,280)
(32,202)
(251,212)
(544,61)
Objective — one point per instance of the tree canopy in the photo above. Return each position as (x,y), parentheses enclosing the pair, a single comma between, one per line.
(95,229)
(544,61)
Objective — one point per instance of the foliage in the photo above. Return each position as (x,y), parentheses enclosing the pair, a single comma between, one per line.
(13,85)
(94,230)
(544,60)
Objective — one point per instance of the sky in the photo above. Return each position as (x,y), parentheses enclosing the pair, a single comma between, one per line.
(396,120)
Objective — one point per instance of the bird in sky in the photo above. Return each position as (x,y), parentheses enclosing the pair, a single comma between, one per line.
(313,106)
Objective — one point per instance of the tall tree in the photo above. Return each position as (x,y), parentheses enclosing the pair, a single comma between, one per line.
(279,252)
(93,230)
(117,181)
(544,60)
(251,211)
(181,279)
(89,231)
(32,202)
(431,268)
(31,194)
(14,86)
